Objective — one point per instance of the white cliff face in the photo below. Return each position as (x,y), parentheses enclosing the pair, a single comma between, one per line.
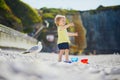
(102,30)
(44,66)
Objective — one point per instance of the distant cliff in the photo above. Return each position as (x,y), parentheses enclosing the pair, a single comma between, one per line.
(102,26)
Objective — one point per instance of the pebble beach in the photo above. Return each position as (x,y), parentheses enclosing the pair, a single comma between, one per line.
(44,66)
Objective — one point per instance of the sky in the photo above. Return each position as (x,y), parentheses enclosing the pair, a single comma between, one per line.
(71,4)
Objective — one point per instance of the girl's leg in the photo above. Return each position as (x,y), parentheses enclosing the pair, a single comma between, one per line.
(67,54)
(60,55)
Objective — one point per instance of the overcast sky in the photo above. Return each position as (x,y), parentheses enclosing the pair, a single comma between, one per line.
(71,4)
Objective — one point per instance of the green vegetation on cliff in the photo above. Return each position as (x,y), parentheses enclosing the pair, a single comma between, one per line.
(49,13)
(28,15)
(18,15)
(8,18)
(102,8)
(109,7)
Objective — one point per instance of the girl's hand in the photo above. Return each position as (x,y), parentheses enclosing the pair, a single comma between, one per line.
(67,26)
(71,24)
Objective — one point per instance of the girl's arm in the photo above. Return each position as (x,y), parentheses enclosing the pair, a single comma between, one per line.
(67,26)
(72,34)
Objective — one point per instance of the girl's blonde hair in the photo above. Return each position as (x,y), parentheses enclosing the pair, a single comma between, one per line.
(57,19)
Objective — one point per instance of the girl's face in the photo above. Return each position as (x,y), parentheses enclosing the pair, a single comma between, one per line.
(62,22)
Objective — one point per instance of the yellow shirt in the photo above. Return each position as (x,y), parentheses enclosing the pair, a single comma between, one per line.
(62,36)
